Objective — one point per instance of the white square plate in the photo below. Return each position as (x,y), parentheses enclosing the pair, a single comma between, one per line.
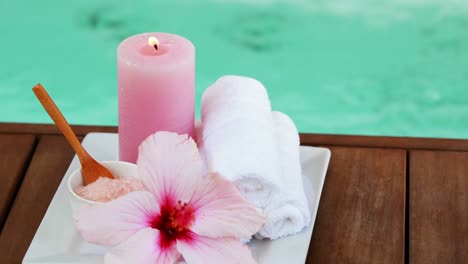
(57,240)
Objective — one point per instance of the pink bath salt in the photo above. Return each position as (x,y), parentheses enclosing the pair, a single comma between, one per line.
(106,189)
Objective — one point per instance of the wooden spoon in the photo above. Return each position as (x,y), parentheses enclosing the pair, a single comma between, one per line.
(91,170)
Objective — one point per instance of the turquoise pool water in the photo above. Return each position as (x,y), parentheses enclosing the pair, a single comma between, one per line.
(350,67)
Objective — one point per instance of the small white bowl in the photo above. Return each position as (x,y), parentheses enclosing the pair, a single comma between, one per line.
(117,168)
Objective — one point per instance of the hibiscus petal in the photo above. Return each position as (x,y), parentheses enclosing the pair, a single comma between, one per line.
(221,211)
(142,248)
(115,221)
(170,166)
(205,250)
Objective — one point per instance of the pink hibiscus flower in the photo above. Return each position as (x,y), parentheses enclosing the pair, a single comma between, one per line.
(182,215)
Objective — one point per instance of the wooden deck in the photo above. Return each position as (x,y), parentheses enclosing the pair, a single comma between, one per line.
(385,199)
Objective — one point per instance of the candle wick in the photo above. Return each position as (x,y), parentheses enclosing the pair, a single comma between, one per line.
(153,41)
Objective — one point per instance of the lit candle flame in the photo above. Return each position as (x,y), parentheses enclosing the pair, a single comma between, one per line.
(154,42)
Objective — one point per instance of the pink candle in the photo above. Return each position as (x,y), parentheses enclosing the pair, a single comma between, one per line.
(156,89)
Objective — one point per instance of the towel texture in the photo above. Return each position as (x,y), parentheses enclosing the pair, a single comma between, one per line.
(289,212)
(257,150)
(238,137)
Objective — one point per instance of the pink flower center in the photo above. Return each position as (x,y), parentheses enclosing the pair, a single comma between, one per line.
(174,222)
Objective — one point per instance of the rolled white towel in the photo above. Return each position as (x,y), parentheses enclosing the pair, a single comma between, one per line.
(223,118)
(231,89)
(234,97)
(238,137)
(289,213)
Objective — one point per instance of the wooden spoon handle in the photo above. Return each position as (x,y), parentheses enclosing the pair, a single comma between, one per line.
(60,122)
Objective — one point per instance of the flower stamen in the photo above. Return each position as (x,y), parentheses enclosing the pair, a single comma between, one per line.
(174,222)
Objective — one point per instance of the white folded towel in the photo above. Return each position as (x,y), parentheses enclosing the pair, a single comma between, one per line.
(238,137)
(289,213)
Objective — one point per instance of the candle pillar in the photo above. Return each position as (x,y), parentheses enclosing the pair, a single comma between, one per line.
(156,89)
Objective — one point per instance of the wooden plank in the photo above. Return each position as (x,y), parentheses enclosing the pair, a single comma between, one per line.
(361,217)
(46,129)
(15,153)
(438,207)
(306,139)
(385,142)
(47,168)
